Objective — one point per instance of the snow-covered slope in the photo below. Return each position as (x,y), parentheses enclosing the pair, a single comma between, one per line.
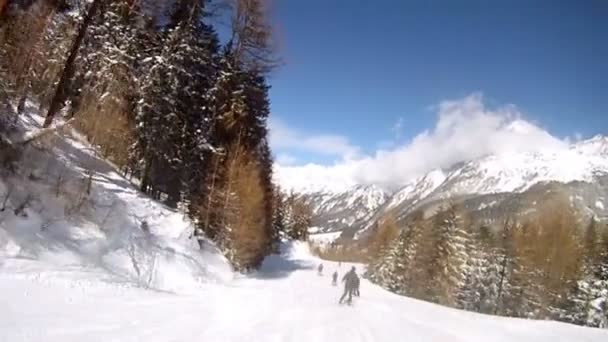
(104,226)
(335,211)
(417,189)
(505,173)
(285,301)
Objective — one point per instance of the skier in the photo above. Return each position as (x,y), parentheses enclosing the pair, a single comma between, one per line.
(356,282)
(334,278)
(349,280)
(320,269)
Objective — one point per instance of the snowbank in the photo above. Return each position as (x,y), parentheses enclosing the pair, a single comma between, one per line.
(79,211)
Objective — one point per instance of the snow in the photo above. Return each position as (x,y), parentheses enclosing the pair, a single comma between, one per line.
(487,205)
(105,233)
(599,205)
(418,188)
(367,198)
(100,276)
(505,172)
(324,238)
(334,197)
(509,172)
(344,208)
(285,301)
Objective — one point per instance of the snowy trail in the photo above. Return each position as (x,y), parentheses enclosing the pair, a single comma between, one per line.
(76,280)
(286,301)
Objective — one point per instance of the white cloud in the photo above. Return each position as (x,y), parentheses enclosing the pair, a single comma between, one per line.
(310,177)
(283,137)
(465,129)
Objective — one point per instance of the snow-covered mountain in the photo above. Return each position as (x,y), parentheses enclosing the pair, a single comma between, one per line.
(585,162)
(335,211)
(514,172)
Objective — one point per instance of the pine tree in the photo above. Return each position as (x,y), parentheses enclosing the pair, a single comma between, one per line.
(67,72)
(103,92)
(173,117)
(382,269)
(278,218)
(587,304)
(301,218)
(449,257)
(484,274)
(402,251)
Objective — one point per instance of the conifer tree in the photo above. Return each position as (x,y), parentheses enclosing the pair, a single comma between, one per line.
(278,218)
(173,118)
(484,274)
(382,269)
(449,258)
(301,218)
(587,304)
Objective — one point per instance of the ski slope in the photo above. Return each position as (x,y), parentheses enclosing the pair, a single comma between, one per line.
(285,301)
(97,275)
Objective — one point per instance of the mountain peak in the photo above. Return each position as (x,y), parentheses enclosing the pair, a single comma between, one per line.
(598,146)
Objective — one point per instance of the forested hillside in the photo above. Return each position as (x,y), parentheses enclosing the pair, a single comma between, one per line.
(549,264)
(149,83)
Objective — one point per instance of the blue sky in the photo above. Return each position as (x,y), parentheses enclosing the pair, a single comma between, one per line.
(354,69)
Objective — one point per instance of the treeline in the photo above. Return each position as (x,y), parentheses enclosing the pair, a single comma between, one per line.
(149,83)
(292,217)
(548,265)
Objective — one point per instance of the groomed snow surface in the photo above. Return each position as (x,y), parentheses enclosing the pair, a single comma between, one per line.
(285,301)
(98,275)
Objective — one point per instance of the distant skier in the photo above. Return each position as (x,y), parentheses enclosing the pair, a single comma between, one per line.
(334,278)
(349,280)
(356,282)
(320,269)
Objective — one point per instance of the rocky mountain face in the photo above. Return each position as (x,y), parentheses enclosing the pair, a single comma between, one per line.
(337,211)
(490,187)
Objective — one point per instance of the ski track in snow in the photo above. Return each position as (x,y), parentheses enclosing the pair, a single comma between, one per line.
(285,301)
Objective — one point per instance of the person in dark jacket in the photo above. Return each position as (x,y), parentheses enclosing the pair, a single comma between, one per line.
(349,280)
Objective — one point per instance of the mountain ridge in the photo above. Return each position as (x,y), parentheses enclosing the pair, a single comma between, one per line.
(514,172)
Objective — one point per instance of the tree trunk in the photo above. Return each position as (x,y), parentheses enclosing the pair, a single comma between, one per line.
(22,100)
(68,68)
(173,192)
(503,273)
(209,196)
(145,175)
(3,7)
